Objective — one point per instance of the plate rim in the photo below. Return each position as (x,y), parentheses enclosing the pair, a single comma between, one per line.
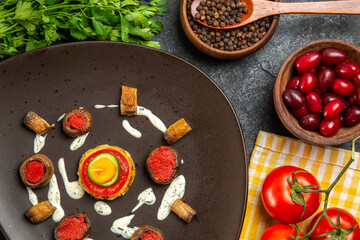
(71,44)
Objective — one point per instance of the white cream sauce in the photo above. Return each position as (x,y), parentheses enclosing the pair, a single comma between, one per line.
(102,208)
(121,227)
(32,196)
(39,142)
(141,111)
(99,106)
(175,191)
(132,131)
(54,198)
(78,142)
(73,189)
(145,197)
(61,117)
(58,120)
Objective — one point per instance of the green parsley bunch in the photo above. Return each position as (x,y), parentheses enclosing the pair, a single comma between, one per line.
(39,23)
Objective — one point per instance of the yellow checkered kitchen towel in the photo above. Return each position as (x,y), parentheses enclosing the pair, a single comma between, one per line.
(324,163)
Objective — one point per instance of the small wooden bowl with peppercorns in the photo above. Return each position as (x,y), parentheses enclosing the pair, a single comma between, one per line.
(231,43)
(290,69)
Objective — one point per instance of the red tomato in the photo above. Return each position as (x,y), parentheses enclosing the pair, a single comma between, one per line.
(346,221)
(275,195)
(279,231)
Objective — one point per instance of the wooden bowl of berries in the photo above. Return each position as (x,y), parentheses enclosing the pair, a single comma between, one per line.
(226,43)
(317,92)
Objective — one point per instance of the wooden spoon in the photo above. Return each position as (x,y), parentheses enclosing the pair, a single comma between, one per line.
(263,8)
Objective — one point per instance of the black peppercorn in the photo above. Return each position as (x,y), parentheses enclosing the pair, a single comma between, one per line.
(221,13)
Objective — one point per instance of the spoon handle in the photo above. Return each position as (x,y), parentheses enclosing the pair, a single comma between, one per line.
(333,7)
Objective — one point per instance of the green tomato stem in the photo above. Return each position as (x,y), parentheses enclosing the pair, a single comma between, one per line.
(313,229)
(341,173)
(327,194)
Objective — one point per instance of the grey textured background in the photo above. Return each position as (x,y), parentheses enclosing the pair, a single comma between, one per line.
(248,82)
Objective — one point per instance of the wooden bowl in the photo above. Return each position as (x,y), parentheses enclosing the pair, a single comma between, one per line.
(345,134)
(227,55)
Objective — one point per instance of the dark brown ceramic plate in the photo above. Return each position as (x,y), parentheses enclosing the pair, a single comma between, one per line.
(51,81)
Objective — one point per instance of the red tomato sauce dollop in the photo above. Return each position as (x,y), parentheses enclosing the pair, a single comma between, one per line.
(149,235)
(76,121)
(34,171)
(162,163)
(72,228)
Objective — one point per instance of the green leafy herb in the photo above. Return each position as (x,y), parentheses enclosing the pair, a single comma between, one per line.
(38,23)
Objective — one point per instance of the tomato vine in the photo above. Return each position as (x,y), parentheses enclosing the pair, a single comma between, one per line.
(338,233)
